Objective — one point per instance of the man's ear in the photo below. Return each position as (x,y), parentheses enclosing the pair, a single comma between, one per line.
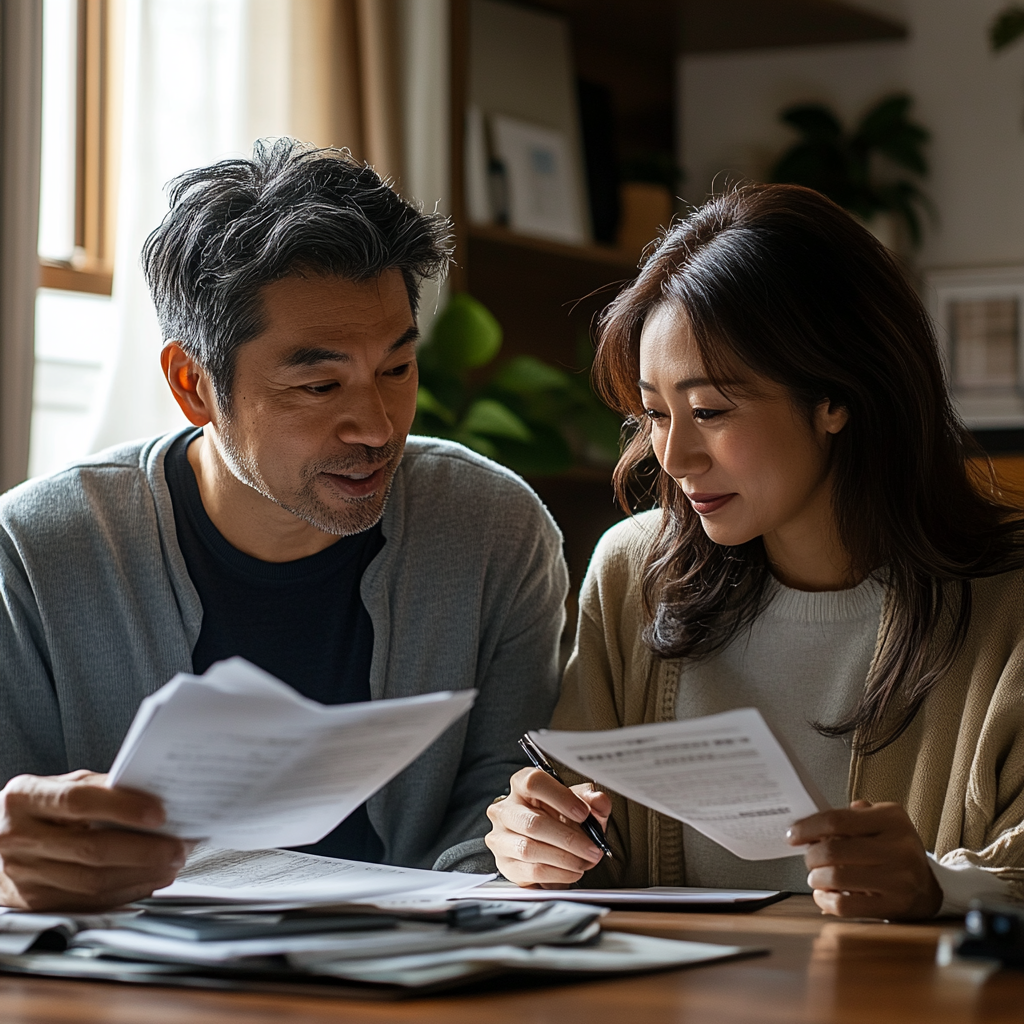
(830,418)
(189,384)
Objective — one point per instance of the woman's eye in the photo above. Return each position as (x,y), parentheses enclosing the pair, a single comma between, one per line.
(653,414)
(707,414)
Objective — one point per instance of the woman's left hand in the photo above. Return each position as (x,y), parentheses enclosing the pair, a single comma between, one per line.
(867,861)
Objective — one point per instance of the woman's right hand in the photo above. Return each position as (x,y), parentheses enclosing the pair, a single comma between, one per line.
(536,838)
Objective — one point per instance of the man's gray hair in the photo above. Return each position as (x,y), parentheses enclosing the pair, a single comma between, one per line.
(238,225)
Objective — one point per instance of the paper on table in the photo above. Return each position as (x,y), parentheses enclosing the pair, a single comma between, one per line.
(655,895)
(615,952)
(555,923)
(245,761)
(303,879)
(725,775)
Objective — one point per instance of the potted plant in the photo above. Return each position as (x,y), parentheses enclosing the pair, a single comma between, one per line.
(534,418)
(848,166)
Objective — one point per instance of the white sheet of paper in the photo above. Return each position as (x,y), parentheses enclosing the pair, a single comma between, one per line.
(668,894)
(245,761)
(265,876)
(725,775)
(557,922)
(614,951)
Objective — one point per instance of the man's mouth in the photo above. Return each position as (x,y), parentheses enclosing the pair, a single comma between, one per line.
(356,484)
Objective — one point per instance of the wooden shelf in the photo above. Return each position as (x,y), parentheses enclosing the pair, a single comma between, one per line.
(705,26)
(545,295)
(715,25)
(602,255)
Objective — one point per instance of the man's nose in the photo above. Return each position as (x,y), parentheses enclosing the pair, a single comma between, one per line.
(365,418)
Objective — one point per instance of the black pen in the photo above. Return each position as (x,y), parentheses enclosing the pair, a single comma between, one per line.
(590,824)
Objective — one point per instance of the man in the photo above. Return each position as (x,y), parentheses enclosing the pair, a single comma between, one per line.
(293,525)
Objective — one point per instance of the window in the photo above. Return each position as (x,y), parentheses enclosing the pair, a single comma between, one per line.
(77,224)
(80,119)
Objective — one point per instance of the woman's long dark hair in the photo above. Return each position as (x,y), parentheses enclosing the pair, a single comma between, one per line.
(778,279)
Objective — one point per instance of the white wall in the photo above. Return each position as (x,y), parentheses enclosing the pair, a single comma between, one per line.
(970,99)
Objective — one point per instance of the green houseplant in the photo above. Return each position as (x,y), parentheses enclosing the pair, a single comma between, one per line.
(845,165)
(1007,27)
(532,417)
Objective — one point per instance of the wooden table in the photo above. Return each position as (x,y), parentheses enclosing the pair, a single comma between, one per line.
(818,970)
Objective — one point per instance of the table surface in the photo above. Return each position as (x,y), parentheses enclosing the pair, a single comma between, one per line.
(818,970)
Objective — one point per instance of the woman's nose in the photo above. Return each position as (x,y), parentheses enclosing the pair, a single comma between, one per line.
(684,453)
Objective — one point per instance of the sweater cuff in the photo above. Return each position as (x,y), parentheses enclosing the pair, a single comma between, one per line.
(963,882)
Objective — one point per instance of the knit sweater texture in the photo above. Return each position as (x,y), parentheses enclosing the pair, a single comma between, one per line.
(97,611)
(958,769)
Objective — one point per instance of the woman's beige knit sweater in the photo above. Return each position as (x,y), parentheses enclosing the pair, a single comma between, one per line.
(958,769)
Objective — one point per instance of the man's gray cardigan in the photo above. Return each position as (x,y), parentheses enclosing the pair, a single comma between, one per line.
(468,591)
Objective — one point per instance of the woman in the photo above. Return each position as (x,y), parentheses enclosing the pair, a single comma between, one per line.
(821,551)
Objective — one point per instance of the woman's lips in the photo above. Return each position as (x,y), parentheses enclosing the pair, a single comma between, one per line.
(358,483)
(705,504)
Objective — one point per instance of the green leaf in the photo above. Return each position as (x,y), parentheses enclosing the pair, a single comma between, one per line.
(479,444)
(526,375)
(486,416)
(464,336)
(1007,28)
(818,165)
(426,402)
(815,121)
(547,455)
(887,129)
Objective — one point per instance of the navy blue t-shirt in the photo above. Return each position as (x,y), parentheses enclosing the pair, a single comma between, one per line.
(302,621)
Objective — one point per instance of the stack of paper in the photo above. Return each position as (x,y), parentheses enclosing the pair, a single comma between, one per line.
(245,761)
(546,923)
(238,919)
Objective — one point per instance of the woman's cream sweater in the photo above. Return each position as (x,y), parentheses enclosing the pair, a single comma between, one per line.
(958,769)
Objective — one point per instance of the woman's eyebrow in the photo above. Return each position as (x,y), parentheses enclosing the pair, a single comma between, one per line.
(680,385)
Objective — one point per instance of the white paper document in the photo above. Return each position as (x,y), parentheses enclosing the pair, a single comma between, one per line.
(725,775)
(302,879)
(613,952)
(245,761)
(663,895)
(553,923)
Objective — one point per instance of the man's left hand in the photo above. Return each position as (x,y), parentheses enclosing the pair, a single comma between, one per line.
(868,861)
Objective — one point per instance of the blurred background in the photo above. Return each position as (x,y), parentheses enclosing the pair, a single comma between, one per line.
(560,135)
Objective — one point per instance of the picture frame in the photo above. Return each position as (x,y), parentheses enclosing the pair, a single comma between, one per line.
(979,319)
(544,195)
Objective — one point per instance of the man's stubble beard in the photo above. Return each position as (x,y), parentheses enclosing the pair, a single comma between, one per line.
(358,515)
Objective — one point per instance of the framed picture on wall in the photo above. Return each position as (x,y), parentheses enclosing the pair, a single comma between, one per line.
(979,318)
(545,196)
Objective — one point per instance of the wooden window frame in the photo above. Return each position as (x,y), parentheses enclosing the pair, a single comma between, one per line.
(97,139)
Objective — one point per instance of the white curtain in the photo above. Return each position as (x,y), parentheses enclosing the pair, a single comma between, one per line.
(184,105)
(425,87)
(203,79)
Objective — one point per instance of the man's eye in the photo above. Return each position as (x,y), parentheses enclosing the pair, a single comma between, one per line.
(398,371)
(322,389)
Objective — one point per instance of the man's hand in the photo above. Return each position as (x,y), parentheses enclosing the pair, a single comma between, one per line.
(868,861)
(536,839)
(57,854)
